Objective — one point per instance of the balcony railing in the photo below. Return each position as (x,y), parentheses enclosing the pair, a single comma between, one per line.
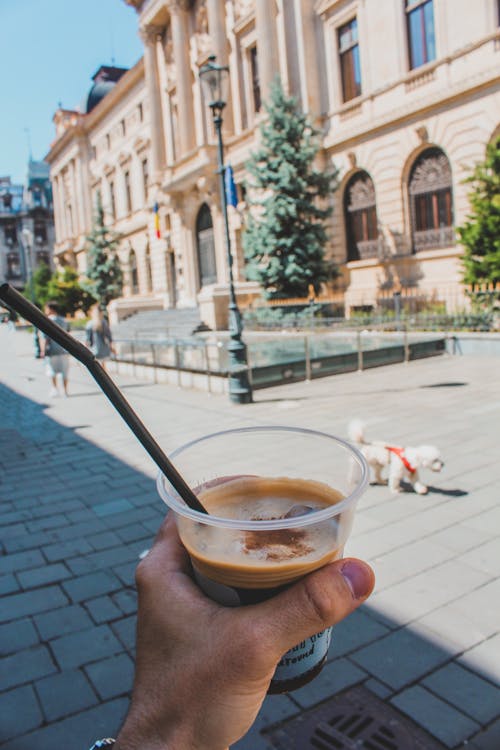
(368,248)
(433,239)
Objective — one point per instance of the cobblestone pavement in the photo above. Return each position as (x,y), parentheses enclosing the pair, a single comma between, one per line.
(78,505)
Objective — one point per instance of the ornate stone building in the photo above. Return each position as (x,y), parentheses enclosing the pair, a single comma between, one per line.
(26,225)
(405,93)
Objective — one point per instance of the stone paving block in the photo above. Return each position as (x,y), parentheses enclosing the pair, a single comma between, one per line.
(104,540)
(16,529)
(133,532)
(103,609)
(15,606)
(112,507)
(43,575)
(19,711)
(27,541)
(8,584)
(378,688)
(355,631)
(85,646)
(484,659)
(276,708)
(87,726)
(84,514)
(64,694)
(91,585)
(488,739)
(126,599)
(425,592)
(74,531)
(486,557)
(48,522)
(466,691)
(17,636)
(20,561)
(62,621)
(13,516)
(138,515)
(65,550)
(400,658)
(334,677)
(126,573)
(459,537)
(25,666)
(112,677)
(440,719)
(408,561)
(125,630)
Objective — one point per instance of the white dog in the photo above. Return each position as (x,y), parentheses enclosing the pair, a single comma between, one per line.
(403,463)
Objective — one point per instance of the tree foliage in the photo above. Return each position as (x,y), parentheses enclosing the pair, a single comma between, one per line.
(103,267)
(61,286)
(285,236)
(480,234)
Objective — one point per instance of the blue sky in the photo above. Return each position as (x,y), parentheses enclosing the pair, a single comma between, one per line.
(49,49)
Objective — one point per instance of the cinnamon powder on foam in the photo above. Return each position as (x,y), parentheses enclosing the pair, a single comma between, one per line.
(282,544)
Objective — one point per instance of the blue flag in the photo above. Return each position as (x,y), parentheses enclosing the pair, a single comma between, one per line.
(231,193)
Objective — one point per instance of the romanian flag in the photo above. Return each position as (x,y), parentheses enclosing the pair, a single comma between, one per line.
(157,220)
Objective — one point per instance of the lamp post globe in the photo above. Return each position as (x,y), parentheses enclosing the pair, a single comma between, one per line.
(215,81)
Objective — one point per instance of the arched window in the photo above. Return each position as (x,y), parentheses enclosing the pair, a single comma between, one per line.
(360,212)
(205,246)
(149,272)
(134,276)
(431,201)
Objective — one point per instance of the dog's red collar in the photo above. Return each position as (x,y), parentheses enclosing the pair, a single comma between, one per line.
(400,452)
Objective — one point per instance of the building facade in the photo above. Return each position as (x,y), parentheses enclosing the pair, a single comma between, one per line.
(405,94)
(26,225)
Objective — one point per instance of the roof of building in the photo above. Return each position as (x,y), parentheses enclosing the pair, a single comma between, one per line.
(105,80)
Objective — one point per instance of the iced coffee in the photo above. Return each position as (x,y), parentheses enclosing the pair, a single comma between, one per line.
(280,505)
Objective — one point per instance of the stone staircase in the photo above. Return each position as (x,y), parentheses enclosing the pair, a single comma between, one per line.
(155,324)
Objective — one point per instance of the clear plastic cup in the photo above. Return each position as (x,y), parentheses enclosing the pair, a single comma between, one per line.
(248,548)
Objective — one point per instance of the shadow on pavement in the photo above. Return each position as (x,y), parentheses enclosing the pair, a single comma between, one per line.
(74,520)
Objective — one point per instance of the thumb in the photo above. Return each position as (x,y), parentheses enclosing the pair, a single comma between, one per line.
(316,602)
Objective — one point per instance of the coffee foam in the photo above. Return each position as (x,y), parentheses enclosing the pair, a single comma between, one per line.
(267,558)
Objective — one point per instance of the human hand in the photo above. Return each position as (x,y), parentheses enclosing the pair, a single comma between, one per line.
(203,670)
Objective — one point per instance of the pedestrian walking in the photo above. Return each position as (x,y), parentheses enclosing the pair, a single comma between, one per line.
(99,338)
(57,357)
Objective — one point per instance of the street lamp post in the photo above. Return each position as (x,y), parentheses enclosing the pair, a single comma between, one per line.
(27,244)
(215,80)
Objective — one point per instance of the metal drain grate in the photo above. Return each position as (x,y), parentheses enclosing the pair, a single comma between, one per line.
(353,720)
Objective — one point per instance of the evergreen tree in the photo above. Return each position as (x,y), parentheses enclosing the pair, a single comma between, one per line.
(285,237)
(480,234)
(103,267)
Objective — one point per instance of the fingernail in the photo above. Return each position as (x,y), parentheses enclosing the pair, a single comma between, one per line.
(359,578)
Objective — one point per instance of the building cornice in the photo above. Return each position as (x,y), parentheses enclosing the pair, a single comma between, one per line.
(86,122)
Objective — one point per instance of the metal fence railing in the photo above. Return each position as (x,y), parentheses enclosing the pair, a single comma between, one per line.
(277,360)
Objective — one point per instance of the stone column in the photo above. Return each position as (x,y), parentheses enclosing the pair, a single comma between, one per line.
(217,31)
(149,35)
(310,63)
(57,211)
(84,183)
(180,38)
(267,44)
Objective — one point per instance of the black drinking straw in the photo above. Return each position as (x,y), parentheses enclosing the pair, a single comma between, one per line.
(27,310)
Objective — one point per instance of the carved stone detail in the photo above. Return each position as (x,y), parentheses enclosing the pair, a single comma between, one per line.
(149,34)
(361,194)
(202,40)
(242,8)
(168,51)
(430,174)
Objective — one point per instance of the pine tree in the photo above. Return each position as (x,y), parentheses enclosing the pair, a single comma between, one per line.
(285,237)
(480,234)
(103,267)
